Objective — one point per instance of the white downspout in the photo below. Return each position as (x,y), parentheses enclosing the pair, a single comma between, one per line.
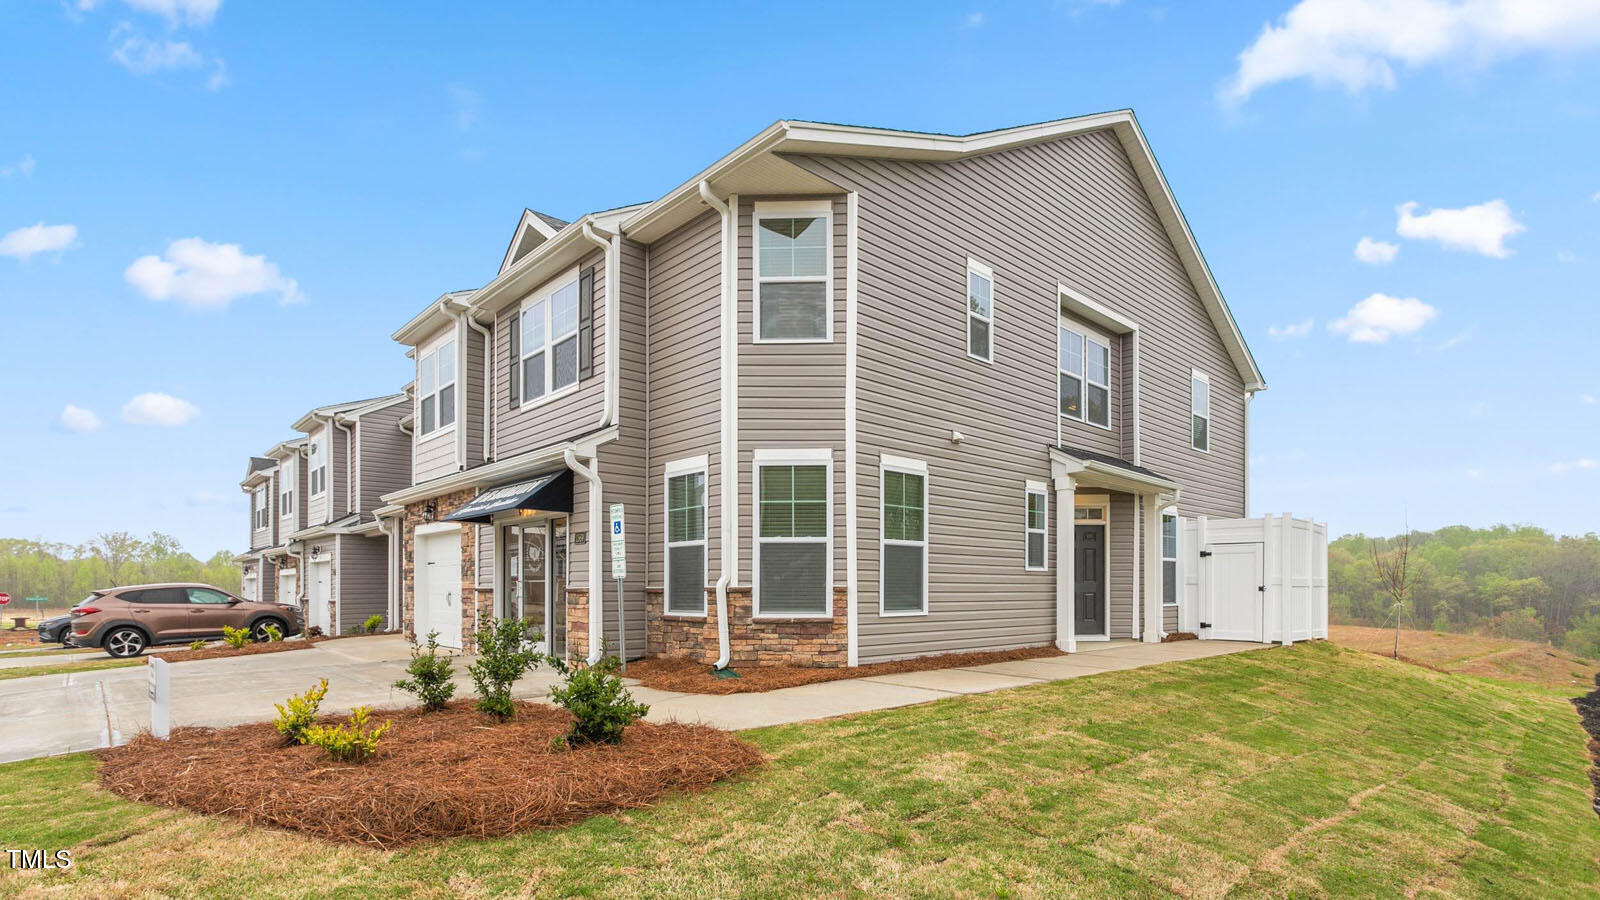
(349,453)
(596,617)
(729,465)
(612,248)
(488,372)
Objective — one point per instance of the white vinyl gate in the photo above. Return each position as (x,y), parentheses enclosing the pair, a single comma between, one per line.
(1243,579)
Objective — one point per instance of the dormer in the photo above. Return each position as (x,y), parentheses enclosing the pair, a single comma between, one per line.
(533,229)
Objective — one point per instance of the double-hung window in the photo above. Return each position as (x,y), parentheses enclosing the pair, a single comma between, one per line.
(286,491)
(793,251)
(904,570)
(318,472)
(436,389)
(686,537)
(1169,558)
(980,311)
(1200,411)
(258,499)
(794,559)
(1084,369)
(1037,528)
(545,344)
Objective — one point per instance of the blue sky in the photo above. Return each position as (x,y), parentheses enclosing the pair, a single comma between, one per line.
(365,157)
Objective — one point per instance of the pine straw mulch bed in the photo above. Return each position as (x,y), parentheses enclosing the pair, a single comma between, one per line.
(455,773)
(689,677)
(223,650)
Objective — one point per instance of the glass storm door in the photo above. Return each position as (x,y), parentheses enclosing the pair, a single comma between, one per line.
(558,589)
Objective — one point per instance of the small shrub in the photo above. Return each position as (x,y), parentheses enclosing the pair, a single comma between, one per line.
(505,653)
(299,713)
(352,741)
(274,633)
(601,707)
(430,675)
(235,637)
(197,645)
(314,631)
(373,623)
(353,629)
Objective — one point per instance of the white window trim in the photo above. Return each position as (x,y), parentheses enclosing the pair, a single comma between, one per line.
(1031,488)
(889,463)
(688,466)
(286,497)
(439,385)
(1087,334)
(1103,502)
(258,505)
(786,209)
(547,294)
(1177,581)
(809,456)
(966,305)
(1197,375)
(317,450)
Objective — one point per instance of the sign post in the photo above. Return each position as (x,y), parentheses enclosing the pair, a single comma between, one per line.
(38,606)
(160,687)
(619,570)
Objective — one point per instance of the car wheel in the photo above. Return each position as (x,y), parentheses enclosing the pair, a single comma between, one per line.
(124,643)
(258,633)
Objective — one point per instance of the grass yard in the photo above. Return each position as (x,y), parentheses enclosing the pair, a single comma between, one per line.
(1472,654)
(62,668)
(1311,771)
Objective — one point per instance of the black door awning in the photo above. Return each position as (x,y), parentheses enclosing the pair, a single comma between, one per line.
(548,493)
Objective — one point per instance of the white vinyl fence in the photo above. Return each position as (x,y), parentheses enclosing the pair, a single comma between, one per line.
(1243,579)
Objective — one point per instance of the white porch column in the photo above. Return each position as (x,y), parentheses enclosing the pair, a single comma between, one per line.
(1066,581)
(1151,583)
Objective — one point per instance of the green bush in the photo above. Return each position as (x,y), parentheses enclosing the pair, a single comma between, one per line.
(235,637)
(505,652)
(274,633)
(373,623)
(601,707)
(299,713)
(352,741)
(197,645)
(430,675)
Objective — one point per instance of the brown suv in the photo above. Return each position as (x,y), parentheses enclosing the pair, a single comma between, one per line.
(126,620)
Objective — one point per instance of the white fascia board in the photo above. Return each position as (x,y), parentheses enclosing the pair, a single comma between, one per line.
(499,470)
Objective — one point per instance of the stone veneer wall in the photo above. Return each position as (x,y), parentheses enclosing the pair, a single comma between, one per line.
(481,605)
(577,624)
(766,642)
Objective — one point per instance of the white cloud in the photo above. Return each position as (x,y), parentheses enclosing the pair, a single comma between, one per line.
(218,79)
(1376,252)
(1480,229)
(78,419)
(159,409)
(142,56)
(468,105)
(1566,256)
(1596,197)
(1456,340)
(1357,44)
(974,19)
(204,275)
(1588,399)
(1380,317)
(1286,332)
(176,12)
(40,238)
(22,167)
(1561,468)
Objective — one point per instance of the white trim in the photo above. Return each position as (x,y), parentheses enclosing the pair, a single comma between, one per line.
(809,456)
(288,497)
(1066,635)
(1103,501)
(1177,558)
(429,354)
(1031,488)
(546,294)
(852,578)
(693,465)
(888,463)
(983,271)
(1085,336)
(783,209)
(1194,376)
(435,528)
(317,458)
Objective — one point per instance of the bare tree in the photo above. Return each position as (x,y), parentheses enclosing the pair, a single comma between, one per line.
(116,549)
(1394,568)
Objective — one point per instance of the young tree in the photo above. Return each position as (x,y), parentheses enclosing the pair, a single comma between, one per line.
(1394,570)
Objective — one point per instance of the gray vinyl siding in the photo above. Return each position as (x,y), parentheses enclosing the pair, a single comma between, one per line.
(684,372)
(433,454)
(791,396)
(339,473)
(1124,521)
(575,413)
(486,572)
(383,454)
(1064,212)
(260,537)
(363,579)
(469,411)
(623,461)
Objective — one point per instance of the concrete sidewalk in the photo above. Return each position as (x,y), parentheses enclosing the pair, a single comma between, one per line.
(53,714)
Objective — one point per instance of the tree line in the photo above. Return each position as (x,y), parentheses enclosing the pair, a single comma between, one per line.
(65,573)
(1508,581)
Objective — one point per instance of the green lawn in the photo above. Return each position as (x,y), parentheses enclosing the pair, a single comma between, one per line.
(67,665)
(1313,771)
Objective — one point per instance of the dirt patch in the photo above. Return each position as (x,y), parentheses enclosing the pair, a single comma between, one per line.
(1589,711)
(686,676)
(1180,636)
(223,651)
(436,775)
(1472,654)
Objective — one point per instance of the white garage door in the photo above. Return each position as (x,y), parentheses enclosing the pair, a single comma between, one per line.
(287,589)
(437,578)
(317,595)
(1237,575)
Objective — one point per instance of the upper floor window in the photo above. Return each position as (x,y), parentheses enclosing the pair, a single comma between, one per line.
(317,471)
(793,272)
(436,389)
(1084,370)
(794,568)
(980,311)
(544,345)
(905,537)
(686,537)
(1200,411)
(259,512)
(286,489)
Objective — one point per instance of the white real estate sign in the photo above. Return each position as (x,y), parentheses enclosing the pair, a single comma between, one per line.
(160,688)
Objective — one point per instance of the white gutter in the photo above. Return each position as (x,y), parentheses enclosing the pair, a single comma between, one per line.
(597,619)
(730,458)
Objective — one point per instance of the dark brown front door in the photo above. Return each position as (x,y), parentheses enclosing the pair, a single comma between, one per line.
(1089,573)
